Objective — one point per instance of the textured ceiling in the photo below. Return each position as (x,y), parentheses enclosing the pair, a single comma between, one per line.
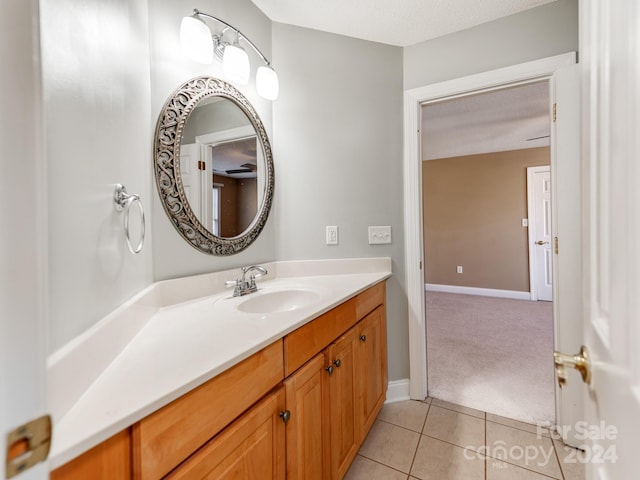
(400,22)
(488,122)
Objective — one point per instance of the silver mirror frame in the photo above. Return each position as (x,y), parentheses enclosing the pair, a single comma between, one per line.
(169,128)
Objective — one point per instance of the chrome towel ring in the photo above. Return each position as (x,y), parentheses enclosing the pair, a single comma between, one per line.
(123,203)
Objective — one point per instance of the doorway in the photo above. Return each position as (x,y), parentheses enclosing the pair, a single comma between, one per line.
(560,70)
(488,346)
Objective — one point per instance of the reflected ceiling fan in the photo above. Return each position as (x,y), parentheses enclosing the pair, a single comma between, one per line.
(244,168)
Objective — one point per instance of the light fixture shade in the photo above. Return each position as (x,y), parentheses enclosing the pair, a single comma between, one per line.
(196,41)
(267,83)
(235,64)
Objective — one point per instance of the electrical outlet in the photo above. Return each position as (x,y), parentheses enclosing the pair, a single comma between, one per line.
(379,235)
(332,235)
(459,269)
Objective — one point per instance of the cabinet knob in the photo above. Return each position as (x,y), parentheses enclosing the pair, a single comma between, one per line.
(337,363)
(363,338)
(329,369)
(285,416)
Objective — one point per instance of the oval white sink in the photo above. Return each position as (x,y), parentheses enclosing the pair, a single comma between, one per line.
(278,301)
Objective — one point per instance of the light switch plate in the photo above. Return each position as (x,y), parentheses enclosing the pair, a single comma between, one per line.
(379,235)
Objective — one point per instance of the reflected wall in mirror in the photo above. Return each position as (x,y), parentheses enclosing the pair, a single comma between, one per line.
(214,168)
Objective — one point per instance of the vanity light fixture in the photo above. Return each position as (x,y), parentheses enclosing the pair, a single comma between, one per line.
(199,45)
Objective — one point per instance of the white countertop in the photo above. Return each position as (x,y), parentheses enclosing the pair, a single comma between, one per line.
(182,344)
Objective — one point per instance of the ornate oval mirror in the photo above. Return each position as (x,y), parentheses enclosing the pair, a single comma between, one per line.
(213,166)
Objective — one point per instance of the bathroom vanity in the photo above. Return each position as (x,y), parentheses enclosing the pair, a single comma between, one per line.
(297,403)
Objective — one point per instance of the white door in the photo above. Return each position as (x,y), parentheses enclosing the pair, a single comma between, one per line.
(539,188)
(567,228)
(609,51)
(23,234)
(191,176)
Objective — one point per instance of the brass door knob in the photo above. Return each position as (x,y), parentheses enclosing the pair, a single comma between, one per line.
(579,361)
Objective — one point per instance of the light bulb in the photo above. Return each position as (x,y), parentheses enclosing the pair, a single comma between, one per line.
(267,83)
(196,41)
(235,64)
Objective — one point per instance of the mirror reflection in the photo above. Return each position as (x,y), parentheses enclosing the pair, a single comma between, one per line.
(222,167)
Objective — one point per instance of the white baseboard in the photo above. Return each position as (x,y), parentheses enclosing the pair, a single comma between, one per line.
(484,292)
(398,391)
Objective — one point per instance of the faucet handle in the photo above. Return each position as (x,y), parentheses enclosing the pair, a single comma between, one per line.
(231,283)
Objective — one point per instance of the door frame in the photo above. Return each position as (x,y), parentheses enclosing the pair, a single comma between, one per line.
(24,252)
(533,292)
(523,73)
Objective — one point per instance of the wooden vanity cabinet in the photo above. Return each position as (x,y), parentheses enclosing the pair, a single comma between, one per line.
(328,378)
(335,397)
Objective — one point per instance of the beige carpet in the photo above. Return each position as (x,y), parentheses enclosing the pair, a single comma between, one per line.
(492,354)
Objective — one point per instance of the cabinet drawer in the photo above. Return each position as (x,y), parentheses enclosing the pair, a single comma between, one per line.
(251,447)
(165,438)
(303,343)
(368,300)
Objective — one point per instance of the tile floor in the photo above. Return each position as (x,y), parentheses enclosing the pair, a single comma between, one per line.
(436,440)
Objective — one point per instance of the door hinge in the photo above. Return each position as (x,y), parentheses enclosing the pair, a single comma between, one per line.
(555,244)
(201,165)
(554,112)
(27,445)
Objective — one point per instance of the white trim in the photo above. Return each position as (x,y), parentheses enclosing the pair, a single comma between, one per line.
(483,292)
(398,391)
(531,171)
(225,135)
(413,99)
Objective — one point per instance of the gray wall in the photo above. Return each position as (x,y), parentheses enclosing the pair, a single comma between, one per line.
(338,156)
(173,257)
(95,67)
(108,68)
(336,131)
(540,32)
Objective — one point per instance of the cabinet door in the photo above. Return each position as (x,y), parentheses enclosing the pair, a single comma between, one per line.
(307,442)
(252,447)
(372,368)
(342,403)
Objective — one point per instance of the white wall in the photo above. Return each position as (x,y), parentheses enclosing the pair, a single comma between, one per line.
(95,67)
(338,156)
(540,32)
(173,256)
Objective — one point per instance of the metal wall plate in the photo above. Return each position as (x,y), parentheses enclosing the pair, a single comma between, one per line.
(27,445)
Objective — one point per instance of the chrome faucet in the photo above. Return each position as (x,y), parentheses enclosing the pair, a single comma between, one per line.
(244,286)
